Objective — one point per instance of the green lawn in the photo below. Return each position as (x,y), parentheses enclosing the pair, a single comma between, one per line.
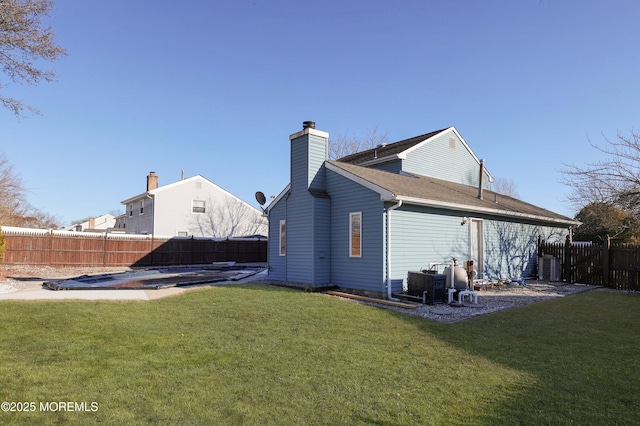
(265,355)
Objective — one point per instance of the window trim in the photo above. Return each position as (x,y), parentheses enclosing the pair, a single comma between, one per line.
(142,207)
(203,207)
(283,238)
(352,253)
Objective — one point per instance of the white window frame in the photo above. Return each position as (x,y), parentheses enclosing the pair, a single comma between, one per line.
(142,207)
(194,207)
(352,216)
(283,238)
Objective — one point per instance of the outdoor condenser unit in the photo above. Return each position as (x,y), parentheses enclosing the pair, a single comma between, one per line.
(549,268)
(433,284)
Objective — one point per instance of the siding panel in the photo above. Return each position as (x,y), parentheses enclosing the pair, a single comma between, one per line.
(445,159)
(420,236)
(366,272)
(277,265)
(511,247)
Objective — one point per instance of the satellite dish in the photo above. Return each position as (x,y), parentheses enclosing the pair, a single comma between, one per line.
(260,198)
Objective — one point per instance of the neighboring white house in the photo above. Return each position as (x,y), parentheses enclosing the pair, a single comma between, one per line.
(191,207)
(94,224)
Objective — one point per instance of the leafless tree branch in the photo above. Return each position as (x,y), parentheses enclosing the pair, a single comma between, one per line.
(341,145)
(615,179)
(25,40)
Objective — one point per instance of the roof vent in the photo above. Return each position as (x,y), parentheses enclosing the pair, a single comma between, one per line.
(309,125)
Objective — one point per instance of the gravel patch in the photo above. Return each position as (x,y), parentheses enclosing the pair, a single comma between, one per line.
(501,297)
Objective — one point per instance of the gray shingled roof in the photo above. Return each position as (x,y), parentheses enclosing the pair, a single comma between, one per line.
(427,190)
(387,150)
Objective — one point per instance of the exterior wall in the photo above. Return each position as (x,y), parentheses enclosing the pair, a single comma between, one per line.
(174,202)
(300,251)
(511,248)
(421,236)
(308,153)
(321,256)
(307,258)
(225,215)
(137,222)
(442,159)
(277,263)
(367,272)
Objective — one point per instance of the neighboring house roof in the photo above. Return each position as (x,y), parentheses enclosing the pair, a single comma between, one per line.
(428,191)
(387,150)
(172,185)
(100,222)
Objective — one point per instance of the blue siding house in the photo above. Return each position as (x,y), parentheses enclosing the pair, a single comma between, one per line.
(363,221)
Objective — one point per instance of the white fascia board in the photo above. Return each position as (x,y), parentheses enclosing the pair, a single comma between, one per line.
(486,210)
(180,182)
(280,196)
(309,131)
(144,195)
(385,194)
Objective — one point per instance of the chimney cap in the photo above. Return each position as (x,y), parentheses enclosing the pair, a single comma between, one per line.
(308,124)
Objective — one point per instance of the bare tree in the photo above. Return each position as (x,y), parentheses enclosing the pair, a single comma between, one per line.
(24,42)
(230,217)
(341,145)
(14,208)
(613,180)
(506,187)
(12,202)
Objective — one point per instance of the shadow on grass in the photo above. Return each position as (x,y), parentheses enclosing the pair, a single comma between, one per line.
(580,350)
(579,353)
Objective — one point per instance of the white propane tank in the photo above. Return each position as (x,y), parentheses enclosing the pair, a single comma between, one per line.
(459,277)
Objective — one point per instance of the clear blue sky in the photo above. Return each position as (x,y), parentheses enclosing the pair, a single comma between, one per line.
(216,87)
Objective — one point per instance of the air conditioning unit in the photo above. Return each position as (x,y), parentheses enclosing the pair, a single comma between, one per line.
(549,268)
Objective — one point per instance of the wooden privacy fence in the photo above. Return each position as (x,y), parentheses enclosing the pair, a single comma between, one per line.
(64,248)
(609,264)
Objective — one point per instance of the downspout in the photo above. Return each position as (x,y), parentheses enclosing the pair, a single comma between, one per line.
(481,180)
(398,204)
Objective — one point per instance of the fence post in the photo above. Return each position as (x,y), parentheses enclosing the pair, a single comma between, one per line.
(104,250)
(152,250)
(567,260)
(539,254)
(606,267)
(49,261)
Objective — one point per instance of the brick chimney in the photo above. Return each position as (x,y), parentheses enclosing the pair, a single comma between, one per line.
(152,181)
(92,223)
